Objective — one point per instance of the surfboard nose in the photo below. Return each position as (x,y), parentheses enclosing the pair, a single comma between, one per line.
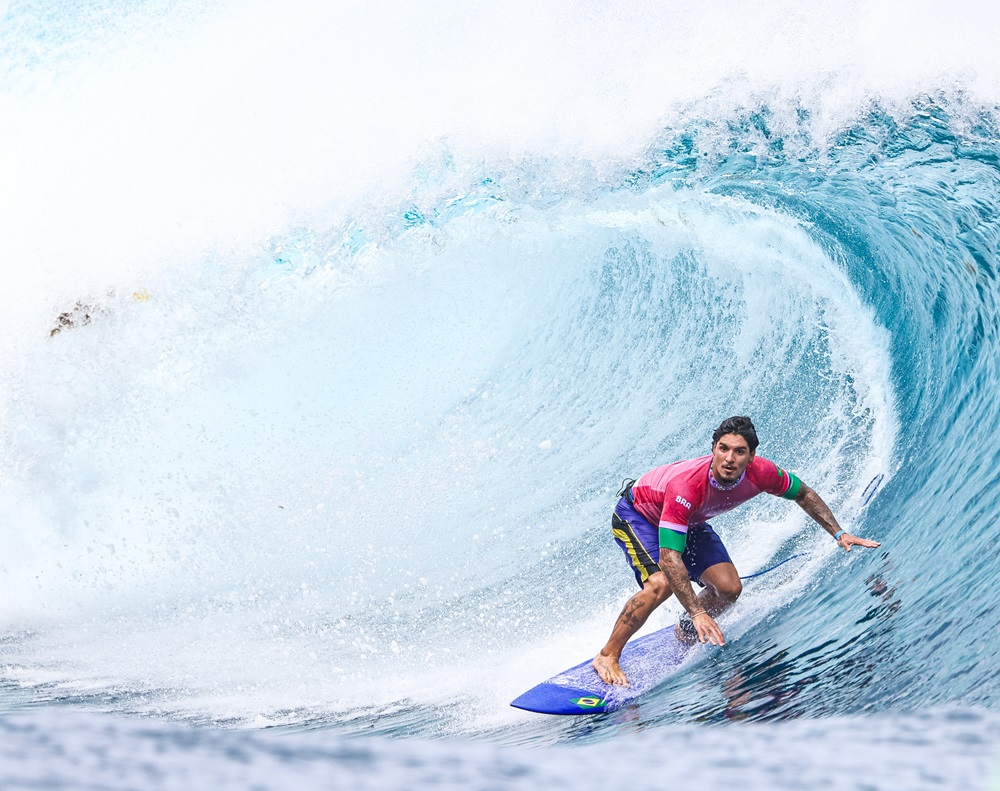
(549,698)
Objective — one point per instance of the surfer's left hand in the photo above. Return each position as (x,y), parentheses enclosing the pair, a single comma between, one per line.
(847,541)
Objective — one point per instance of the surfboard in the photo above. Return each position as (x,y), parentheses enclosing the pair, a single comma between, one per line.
(647,661)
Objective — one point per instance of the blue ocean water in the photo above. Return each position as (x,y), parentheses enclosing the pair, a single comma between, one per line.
(344,380)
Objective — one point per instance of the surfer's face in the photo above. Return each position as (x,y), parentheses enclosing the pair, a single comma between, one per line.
(730,456)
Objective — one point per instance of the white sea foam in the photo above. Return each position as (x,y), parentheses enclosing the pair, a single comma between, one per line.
(176,133)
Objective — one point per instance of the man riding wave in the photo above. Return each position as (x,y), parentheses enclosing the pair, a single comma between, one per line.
(661,523)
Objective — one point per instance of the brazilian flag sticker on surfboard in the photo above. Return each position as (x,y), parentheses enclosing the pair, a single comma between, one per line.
(589,702)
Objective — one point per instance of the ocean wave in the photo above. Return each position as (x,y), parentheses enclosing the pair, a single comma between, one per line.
(353,467)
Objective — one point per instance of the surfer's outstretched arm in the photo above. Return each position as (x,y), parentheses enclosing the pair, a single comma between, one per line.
(813,504)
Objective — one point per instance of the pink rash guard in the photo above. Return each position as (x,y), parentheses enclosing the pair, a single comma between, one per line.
(677,495)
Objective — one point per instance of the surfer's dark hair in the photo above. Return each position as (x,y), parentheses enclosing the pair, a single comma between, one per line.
(738,424)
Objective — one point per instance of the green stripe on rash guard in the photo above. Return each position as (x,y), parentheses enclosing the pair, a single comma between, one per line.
(671,539)
(794,484)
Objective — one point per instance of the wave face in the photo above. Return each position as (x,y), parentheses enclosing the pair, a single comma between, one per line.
(358,472)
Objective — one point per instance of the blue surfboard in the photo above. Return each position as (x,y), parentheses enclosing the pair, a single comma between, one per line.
(647,661)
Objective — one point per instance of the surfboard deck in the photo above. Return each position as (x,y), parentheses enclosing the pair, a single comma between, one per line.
(647,661)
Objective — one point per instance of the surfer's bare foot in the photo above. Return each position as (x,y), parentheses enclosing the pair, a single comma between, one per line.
(609,670)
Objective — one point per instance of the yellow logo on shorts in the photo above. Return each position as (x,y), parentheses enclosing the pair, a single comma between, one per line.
(588,703)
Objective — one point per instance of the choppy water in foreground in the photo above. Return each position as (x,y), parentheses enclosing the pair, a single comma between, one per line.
(943,749)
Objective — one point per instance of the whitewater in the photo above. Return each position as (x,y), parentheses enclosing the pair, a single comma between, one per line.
(330,332)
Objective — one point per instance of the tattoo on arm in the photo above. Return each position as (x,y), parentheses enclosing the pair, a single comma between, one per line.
(680,583)
(813,504)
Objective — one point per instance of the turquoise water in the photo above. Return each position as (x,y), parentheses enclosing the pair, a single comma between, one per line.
(356,359)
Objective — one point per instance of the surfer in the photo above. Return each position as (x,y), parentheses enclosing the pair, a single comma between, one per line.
(661,523)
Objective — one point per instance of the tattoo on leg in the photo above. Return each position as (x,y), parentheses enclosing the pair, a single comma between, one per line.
(629,616)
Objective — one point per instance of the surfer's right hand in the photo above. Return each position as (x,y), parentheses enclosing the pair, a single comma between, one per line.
(708,630)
